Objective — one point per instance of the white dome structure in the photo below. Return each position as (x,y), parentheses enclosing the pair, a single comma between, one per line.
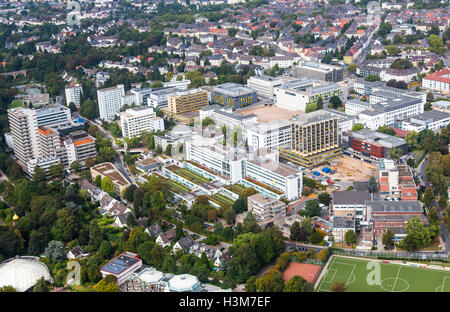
(184,283)
(22,273)
(151,276)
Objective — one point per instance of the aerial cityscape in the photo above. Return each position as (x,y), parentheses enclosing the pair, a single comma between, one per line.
(224,146)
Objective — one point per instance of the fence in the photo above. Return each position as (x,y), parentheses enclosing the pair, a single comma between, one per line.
(419,256)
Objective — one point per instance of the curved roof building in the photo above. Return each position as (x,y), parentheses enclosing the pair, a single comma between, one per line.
(22,273)
(184,283)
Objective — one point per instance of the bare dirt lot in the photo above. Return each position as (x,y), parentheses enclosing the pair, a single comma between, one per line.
(350,169)
(270,113)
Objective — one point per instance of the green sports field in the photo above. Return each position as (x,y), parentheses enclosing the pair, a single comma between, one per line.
(393,277)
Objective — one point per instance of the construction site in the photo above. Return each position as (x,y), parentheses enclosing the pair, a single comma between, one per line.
(349,169)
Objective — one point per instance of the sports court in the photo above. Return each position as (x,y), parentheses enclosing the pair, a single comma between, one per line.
(393,277)
(308,271)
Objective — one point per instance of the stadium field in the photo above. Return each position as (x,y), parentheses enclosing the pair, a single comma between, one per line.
(393,277)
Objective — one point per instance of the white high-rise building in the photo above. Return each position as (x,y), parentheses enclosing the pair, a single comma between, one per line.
(24,123)
(134,121)
(73,94)
(110,101)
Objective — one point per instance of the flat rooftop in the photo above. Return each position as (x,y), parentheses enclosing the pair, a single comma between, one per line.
(350,197)
(120,264)
(343,223)
(233,89)
(109,170)
(276,167)
(269,113)
(316,116)
(403,206)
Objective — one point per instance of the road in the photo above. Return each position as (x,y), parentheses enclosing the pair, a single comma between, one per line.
(444,231)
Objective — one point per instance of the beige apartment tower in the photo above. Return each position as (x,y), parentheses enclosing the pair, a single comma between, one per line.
(315,139)
(187,101)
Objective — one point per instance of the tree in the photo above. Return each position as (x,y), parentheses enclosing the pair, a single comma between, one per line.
(108,186)
(335,101)
(372,78)
(75,166)
(412,138)
(388,238)
(357,127)
(158,201)
(298,284)
(56,171)
(445,162)
(428,197)
(324,198)
(107,284)
(351,68)
(312,208)
(295,231)
(319,104)
(179,233)
(373,184)
(55,250)
(350,237)
(250,285)
(418,235)
(40,286)
(272,281)
(168,150)
(239,205)
(430,97)
(339,287)
(395,153)
(436,45)
(39,174)
(128,193)
(8,288)
(316,238)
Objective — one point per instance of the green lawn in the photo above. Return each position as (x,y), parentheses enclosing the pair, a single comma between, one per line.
(197,179)
(16,103)
(393,277)
(222,199)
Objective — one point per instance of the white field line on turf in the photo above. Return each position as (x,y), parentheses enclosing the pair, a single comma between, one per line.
(354,266)
(395,282)
(443,282)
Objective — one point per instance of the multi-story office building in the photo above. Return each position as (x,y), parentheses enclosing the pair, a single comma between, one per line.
(264,85)
(396,181)
(303,92)
(233,95)
(341,225)
(187,101)
(75,146)
(321,71)
(366,87)
(224,116)
(350,204)
(73,94)
(393,215)
(314,139)
(158,97)
(135,121)
(24,123)
(270,135)
(438,82)
(221,159)
(265,209)
(432,120)
(372,145)
(345,121)
(110,101)
(141,95)
(80,146)
(386,107)
(273,179)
